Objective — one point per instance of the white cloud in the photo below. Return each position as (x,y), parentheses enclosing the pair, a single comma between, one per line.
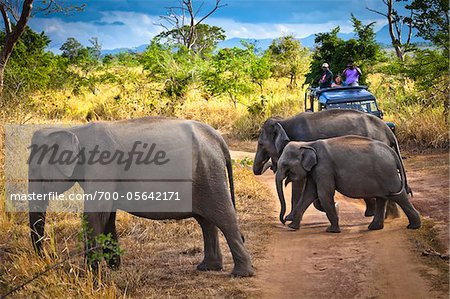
(114,29)
(271,30)
(119,29)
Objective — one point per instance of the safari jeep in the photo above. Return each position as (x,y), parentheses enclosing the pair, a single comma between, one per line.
(347,97)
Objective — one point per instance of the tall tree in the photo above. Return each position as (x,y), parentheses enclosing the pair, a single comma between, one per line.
(206,40)
(397,23)
(430,66)
(184,20)
(71,48)
(289,58)
(362,49)
(15,14)
(431,19)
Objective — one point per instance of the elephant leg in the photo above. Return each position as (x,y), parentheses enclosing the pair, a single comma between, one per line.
(296,191)
(370,207)
(411,213)
(308,196)
(326,198)
(392,210)
(96,225)
(318,205)
(212,260)
(225,219)
(114,257)
(378,220)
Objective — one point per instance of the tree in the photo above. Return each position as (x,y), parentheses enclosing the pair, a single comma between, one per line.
(362,49)
(95,50)
(184,22)
(176,69)
(289,58)
(71,49)
(431,19)
(235,72)
(15,14)
(429,69)
(207,37)
(396,23)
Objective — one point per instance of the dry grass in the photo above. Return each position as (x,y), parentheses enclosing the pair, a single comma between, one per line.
(159,260)
(427,238)
(221,115)
(424,128)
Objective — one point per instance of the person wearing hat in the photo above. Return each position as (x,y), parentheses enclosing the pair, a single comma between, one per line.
(351,74)
(327,76)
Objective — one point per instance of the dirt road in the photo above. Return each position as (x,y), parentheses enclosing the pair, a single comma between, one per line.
(356,263)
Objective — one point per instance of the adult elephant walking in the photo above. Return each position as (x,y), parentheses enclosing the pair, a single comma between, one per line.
(311,126)
(206,164)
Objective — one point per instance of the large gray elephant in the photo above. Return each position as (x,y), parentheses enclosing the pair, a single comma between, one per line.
(353,165)
(212,196)
(309,126)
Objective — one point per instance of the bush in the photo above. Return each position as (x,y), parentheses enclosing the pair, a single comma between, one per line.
(424,128)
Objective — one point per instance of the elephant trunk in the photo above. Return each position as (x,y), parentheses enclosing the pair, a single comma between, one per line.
(260,161)
(279,182)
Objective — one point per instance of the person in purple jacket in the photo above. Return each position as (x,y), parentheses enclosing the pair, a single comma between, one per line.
(351,74)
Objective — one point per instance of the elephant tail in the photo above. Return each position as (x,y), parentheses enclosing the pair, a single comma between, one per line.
(229,166)
(402,167)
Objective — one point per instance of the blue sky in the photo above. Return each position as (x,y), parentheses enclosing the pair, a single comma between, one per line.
(130,23)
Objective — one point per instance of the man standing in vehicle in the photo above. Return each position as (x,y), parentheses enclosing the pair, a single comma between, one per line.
(351,74)
(327,77)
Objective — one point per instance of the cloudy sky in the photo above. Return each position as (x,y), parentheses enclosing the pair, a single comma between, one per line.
(131,23)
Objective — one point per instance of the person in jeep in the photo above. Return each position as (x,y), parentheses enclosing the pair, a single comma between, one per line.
(327,77)
(351,74)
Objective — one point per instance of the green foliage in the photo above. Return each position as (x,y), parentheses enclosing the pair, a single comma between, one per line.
(235,71)
(289,58)
(177,69)
(246,162)
(87,58)
(72,49)
(431,19)
(206,37)
(363,50)
(32,68)
(102,247)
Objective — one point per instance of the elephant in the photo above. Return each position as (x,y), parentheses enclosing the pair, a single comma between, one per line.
(310,126)
(213,197)
(354,166)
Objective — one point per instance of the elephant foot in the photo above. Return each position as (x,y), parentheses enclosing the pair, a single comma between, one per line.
(333,229)
(369,213)
(289,217)
(413,226)
(210,266)
(243,271)
(294,225)
(376,226)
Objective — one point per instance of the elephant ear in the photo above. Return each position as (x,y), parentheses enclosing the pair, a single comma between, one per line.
(68,150)
(281,138)
(309,157)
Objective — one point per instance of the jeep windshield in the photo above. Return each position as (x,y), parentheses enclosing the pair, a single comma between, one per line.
(364,106)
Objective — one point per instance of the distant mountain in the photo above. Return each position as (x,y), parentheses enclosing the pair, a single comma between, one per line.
(138,49)
(382,37)
(264,44)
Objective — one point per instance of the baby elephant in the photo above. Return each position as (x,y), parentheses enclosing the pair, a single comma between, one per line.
(357,167)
